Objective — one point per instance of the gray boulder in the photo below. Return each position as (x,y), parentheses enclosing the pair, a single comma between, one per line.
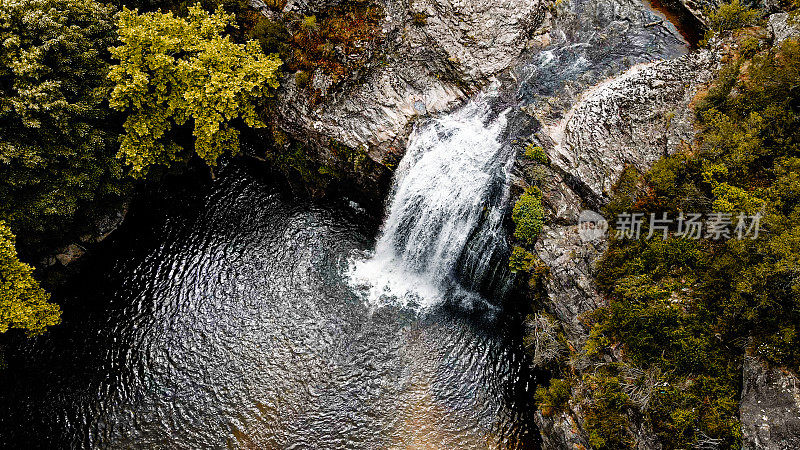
(770,407)
(781,28)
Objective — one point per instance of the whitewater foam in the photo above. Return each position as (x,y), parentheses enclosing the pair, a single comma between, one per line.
(444,188)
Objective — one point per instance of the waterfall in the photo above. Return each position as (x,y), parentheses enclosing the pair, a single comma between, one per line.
(443,228)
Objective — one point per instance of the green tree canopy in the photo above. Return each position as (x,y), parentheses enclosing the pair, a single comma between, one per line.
(23,304)
(57,144)
(172,71)
(687,310)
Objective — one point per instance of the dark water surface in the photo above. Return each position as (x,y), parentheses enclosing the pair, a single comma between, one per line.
(219,317)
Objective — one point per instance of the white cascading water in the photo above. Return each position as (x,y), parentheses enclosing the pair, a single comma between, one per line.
(445,189)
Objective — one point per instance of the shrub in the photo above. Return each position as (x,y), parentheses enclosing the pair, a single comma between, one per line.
(58,138)
(23,304)
(606,421)
(271,35)
(419,19)
(732,16)
(542,339)
(688,308)
(528,216)
(337,41)
(302,78)
(554,398)
(521,260)
(309,24)
(536,153)
(749,47)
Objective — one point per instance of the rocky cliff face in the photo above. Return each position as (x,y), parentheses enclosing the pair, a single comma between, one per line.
(604,102)
(630,120)
(698,8)
(435,53)
(770,407)
(781,28)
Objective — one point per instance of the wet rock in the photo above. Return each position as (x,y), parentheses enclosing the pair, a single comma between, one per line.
(107,223)
(561,431)
(69,254)
(100,223)
(699,9)
(770,407)
(586,42)
(561,203)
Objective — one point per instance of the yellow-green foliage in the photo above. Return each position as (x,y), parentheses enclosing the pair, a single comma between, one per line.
(535,153)
(749,46)
(180,7)
(521,260)
(309,24)
(687,308)
(605,420)
(174,71)
(732,16)
(419,19)
(528,216)
(302,78)
(554,398)
(23,304)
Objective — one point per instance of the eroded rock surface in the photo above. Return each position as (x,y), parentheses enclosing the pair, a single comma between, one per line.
(604,100)
(700,8)
(780,27)
(561,431)
(632,119)
(583,42)
(570,285)
(770,407)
